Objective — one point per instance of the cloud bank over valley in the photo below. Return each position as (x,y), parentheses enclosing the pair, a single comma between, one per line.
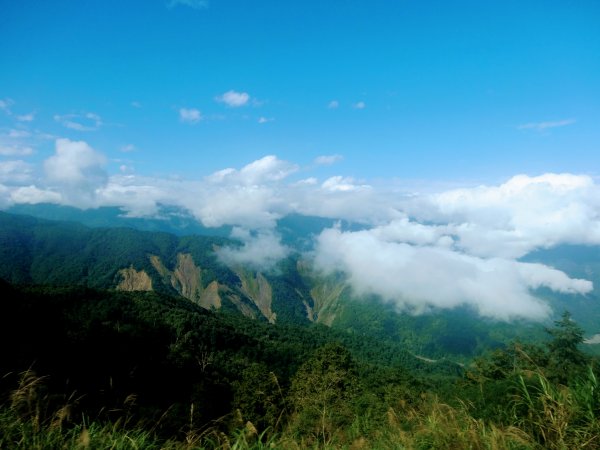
(418,250)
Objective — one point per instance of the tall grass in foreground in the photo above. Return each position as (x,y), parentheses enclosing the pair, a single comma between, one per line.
(545,415)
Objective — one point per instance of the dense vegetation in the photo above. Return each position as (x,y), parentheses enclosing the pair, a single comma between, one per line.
(104,369)
(85,366)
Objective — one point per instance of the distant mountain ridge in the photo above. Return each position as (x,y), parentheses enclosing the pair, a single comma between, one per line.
(41,251)
(59,253)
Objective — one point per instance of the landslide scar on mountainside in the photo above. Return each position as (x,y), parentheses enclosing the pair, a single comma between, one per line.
(186,278)
(133,280)
(257,288)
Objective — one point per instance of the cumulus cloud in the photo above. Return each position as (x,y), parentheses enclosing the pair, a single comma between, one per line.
(76,170)
(80,122)
(267,169)
(247,197)
(432,250)
(340,183)
(327,160)
(420,277)
(541,126)
(190,115)
(518,216)
(260,250)
(233,99)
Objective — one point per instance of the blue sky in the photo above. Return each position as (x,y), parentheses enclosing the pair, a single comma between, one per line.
(430,90)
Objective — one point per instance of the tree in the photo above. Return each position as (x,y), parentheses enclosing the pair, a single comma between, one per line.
(322,391)
(566,360)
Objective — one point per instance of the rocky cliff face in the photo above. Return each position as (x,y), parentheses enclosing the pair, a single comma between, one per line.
(186,278)
(133,280)
(325,295)
(326,301)
(256,287)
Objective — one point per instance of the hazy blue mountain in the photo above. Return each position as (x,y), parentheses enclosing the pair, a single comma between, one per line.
(578,261)
(169,219)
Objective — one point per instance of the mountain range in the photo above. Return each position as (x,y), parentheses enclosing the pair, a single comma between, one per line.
(174,255)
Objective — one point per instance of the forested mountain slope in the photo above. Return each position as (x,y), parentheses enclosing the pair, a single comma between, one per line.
(61,253)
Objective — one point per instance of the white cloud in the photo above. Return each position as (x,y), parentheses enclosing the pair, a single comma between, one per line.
(249,197)
(190,115)
(333,104)
(26,117)
(359,105)
(267,169)
(15,171)
(80,122)
(5,105)
(128,148)
(32,195)
(265,119)
(518,216)
(260,250)
(18,134)
(418,250)
(234,99)
(540,126)
(327,160)
(420,277)
(195,4)
(77,171)
(138,195)
(310,181)
(15,150)
(346,184)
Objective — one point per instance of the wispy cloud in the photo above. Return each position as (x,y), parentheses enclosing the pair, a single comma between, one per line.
(327,160)
(128,148)
(80,122)
(136,104)
(233,99)
(15,150)
(5,105)
(333,104)
(195,4)
(190,115)
(359,105)
(265,119)
(18,134)
(540,126)
(15,172)
(26,117)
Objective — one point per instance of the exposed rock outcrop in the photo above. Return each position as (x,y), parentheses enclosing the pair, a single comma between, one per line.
(257,288)
(133,280)
(186,279)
